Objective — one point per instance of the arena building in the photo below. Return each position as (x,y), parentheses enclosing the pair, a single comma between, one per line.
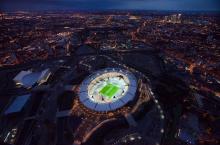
(108,89)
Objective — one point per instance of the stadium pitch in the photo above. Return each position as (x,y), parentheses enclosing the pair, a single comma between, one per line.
(109,90)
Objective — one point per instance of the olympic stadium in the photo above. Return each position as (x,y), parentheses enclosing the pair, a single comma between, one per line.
(108,89)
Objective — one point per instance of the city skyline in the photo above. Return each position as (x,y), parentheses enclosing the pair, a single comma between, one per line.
(109,77)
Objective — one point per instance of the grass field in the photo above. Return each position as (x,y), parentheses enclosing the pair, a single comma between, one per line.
(109,90)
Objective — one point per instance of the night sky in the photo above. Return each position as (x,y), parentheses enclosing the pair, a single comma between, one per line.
(191,5)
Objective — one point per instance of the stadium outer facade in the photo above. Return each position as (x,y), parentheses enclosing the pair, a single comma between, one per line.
(108,89)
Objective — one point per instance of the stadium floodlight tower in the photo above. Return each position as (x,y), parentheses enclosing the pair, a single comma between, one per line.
(108,89)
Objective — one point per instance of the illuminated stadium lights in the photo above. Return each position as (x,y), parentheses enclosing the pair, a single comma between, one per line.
(162,116)
(108,89)
(158,106)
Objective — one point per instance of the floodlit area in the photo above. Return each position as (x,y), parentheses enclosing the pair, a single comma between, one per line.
(108,89)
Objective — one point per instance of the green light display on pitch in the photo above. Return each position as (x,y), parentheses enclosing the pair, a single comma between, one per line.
(109,90)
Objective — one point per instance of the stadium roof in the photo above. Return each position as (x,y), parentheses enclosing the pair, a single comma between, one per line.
(128,96)
(17,104)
